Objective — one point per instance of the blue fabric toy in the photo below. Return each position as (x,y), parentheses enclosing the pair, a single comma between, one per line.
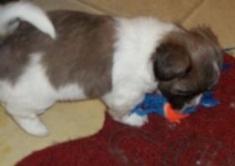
(156,103)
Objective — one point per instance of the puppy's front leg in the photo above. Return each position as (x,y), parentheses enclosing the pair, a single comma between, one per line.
(27,118)
(120,106)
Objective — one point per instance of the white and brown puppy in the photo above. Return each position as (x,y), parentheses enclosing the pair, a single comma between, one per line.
(68,55)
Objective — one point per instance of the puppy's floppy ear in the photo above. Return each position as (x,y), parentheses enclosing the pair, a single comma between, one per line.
(170,60)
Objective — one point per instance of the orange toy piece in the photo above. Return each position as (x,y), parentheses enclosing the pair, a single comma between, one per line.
(173,115)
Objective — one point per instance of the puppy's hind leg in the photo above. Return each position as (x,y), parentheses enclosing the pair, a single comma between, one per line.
(31,124)
(27,119)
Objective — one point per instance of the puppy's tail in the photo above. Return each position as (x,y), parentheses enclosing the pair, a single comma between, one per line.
(12,13)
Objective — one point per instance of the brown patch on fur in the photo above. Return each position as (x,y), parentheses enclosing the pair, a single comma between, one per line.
(15,49)
(12,61)
(82,52)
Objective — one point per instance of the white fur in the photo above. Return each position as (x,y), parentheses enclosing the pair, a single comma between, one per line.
(27,12)
(71,92)
(132,72)
(32,94)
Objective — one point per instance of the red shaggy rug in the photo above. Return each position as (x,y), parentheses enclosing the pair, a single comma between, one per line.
(206,138)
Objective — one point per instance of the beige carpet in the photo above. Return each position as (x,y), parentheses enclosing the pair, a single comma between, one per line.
(80,119)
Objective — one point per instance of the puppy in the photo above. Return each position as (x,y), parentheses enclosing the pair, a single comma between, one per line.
(68,55)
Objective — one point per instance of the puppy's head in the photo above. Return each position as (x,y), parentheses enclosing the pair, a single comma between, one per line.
(186,64)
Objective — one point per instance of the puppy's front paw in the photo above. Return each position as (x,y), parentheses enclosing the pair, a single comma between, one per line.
(135,120)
